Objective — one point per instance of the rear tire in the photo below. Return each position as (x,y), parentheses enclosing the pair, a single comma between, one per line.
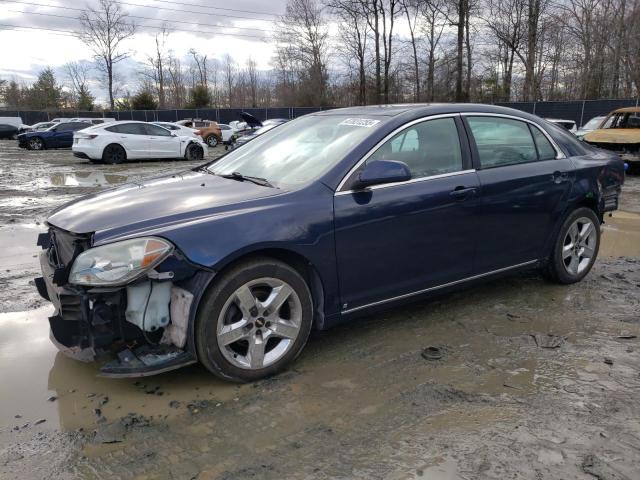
(114,154)
(254,320)
(576,247)
(212,141)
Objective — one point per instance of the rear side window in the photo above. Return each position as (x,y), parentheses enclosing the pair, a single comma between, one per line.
(502,141)
(128,128)
(72,126)
(428,148)
(545,149)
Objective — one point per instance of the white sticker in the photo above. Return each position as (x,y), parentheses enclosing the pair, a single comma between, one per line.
(359,122)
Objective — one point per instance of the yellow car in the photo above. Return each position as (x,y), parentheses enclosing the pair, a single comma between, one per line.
(619,132)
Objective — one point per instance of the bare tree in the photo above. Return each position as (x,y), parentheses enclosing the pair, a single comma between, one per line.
(252,81)
(158,69)
(230,73)
(103,30)
(411,9)
(302,45)
(354,32)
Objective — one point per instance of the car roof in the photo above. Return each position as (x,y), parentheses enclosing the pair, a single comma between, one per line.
(627,110)
(559,120)
(423,109)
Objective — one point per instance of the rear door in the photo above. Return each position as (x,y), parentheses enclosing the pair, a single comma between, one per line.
(133,137)
(525,182)
(63,135)
(162,144)
(399,239)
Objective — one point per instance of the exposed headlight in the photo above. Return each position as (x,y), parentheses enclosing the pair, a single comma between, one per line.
(118,263)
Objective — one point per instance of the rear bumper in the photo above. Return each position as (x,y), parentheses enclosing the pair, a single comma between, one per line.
(84,151)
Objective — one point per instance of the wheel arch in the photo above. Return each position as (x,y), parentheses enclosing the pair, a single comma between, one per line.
(115,144)
(295,260)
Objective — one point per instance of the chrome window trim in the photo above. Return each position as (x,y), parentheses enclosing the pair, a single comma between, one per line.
(559,153)
(413,180)
(382,142)
(437,287)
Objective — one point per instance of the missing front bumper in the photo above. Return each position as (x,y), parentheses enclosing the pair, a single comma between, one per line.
(91,324)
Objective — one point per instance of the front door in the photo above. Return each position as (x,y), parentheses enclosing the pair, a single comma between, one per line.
(161,143)
(399,239)
(524,182)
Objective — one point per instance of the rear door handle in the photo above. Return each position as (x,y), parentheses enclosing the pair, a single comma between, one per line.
(462,193)
(559,177)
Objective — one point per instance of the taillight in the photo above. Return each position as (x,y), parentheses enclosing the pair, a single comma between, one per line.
(198,132)
(86,136)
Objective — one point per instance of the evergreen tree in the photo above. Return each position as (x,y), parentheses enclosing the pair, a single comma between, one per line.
(144,101)
(200,97)
(45,93)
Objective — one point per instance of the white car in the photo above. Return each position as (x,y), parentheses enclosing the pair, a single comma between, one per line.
(227,132)
(569,125)
(130,140)
(178,129)
(93,120)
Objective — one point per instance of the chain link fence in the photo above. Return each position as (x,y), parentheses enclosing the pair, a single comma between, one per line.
(580,111)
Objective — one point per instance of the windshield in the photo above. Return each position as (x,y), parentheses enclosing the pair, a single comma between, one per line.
(593,123)
(623,120)
(298,151)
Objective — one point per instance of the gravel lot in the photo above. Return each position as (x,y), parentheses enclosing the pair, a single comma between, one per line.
(535,381)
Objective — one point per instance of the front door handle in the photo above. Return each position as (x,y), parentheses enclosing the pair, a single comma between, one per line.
(559,177)
(462,193)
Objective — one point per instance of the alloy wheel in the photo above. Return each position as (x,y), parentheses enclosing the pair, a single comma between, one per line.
(35,144)
(212,141)
(259,323)
(579,245)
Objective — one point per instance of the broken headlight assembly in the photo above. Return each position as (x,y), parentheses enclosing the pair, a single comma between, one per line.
(118,263)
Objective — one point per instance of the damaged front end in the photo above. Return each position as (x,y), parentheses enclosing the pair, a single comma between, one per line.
(132,299)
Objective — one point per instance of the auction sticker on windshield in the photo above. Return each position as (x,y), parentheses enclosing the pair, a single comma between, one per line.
(359,122)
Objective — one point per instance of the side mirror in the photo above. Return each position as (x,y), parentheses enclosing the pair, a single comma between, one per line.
(173,134)
(380,172)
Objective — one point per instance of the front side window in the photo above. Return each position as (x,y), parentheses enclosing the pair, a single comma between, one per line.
(428,148)
(157,131)
(502,141)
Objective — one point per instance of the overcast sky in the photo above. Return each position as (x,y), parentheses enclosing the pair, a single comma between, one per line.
(26,51)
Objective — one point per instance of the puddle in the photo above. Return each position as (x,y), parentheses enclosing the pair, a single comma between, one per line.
(621,235)
(33,370)
(86,179)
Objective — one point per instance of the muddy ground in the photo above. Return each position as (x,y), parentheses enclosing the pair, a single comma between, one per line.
(535,381)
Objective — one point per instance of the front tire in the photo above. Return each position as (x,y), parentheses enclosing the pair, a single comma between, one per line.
(36,143)
(114,154)
(576,247)
(254,320)
(194,152)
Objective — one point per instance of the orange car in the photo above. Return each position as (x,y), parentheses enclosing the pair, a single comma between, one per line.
(207,129)
(620,133)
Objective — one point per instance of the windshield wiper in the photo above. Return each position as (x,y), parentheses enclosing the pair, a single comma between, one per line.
(257,180)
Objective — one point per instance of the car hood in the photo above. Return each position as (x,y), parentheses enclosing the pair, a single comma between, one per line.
(250,120)
(614,135)
(154,204)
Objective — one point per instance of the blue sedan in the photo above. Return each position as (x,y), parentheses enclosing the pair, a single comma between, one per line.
(58,136)
(329,216)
